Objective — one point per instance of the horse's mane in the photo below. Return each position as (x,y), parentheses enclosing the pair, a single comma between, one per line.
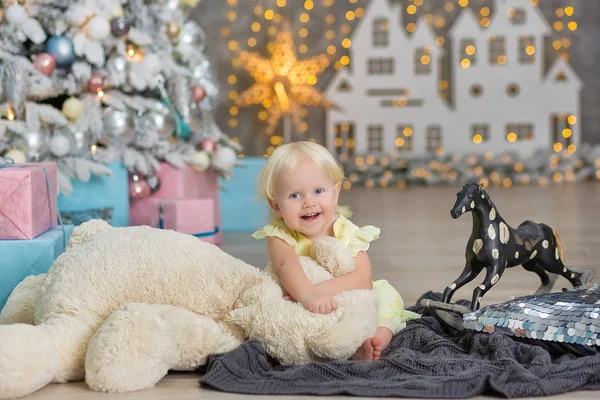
(489,200)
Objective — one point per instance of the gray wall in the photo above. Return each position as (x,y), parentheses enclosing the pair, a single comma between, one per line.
(211,14)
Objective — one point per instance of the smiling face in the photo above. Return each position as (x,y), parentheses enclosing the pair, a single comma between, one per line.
(306,197)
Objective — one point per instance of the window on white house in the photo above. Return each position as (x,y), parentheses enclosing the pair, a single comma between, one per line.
(404,138)
(560,77)
(519,132)
(380,32)
(526,49)
(497,50)
(468,51)
(344,139)
(380,66)
(434,138)
(476,90)
(517,16)
(423,60)
(375,138)
(562,129)
(480,133)
(344,86)
(512,90)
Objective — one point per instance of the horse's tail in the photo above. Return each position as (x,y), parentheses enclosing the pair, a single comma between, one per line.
(559,244)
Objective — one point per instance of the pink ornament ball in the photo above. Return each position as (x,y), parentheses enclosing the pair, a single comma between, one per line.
(44,63)
(208,145)
(138,187)
(96,82)
(198,93)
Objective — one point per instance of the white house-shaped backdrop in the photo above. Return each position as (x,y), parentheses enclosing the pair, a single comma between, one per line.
(389,99)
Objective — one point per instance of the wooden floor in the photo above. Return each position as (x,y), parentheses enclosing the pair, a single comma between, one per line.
(421,248)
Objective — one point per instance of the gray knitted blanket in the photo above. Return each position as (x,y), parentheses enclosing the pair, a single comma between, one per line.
(423,361)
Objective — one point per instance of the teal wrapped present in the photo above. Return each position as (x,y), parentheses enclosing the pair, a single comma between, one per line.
(21,258)
(242,209)
(103,197)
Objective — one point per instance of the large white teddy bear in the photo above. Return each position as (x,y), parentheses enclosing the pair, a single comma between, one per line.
(122,306)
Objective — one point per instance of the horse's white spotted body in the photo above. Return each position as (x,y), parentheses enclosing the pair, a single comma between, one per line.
(504,233)
(495,279)
(492,214)
(532,256)
(495,254)
(545,244)
(517,254)
(491,232)
(477,245)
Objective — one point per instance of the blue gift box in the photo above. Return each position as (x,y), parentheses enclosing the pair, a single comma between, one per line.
(242,209)
(102,197)
(21,258)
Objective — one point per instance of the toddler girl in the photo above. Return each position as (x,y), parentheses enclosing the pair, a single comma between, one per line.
(301,182)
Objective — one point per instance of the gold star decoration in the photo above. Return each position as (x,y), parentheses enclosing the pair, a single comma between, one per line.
(283,83)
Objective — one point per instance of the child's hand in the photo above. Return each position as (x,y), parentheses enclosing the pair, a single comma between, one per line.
(319,302)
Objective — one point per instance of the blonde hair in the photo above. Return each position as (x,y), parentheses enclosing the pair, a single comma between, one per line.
(289,156)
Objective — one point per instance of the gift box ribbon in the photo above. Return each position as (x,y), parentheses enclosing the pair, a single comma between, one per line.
(198,235)
(7,162)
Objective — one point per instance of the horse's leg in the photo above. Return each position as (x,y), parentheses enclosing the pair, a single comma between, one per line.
(533,266)
(492,276)
(471,270)
(551,264)
(550,257)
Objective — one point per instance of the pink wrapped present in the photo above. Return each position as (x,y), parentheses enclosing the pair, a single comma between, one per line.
(26,205)
(178,183)
(193,216)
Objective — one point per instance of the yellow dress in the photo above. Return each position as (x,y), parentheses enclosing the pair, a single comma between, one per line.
(392,314)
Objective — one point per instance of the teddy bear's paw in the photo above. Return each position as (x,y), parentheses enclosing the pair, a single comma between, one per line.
(331,254)
(28,360)
(20,306)
(139,343)
(358,322)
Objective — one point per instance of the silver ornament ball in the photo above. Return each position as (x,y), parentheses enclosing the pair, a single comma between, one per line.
(224,158)
(117,123)
(59,145)
(36,145)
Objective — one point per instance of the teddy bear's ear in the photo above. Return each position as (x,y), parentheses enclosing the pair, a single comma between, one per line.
(331,254)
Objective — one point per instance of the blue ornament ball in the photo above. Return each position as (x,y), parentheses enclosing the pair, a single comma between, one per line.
(62,50)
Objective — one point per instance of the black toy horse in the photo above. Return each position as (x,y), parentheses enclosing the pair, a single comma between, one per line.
(495,246)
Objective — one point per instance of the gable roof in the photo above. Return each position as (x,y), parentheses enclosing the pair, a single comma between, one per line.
(535,21)
(559,67)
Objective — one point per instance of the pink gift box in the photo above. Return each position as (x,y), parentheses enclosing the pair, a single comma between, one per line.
(193,216)
(26,205)
(175,183)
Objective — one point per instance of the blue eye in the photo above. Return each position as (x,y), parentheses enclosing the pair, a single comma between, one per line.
(294,195)
(319,191)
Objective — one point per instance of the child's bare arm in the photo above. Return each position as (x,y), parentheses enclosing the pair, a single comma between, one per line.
(292,279)
(360,278)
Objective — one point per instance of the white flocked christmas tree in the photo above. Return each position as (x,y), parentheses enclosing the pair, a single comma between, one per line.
(89,82)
